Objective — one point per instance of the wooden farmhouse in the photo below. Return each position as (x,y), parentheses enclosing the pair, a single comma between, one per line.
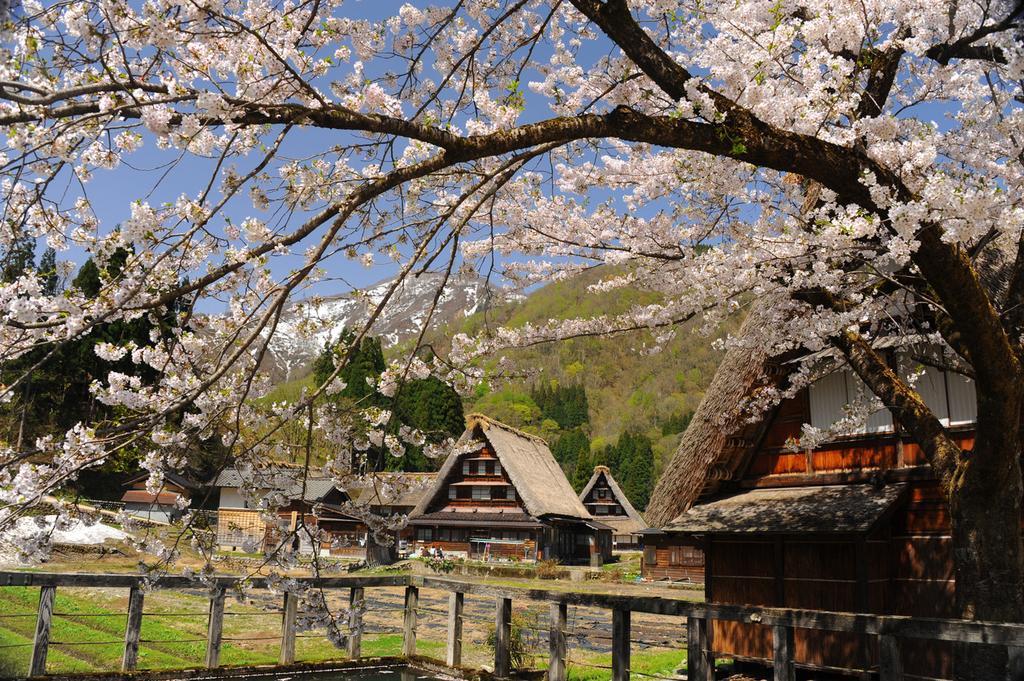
(313,502)
(501,495)
(166,505)
(857,524)
(606,501)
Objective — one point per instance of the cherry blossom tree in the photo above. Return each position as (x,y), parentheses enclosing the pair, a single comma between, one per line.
(858,164)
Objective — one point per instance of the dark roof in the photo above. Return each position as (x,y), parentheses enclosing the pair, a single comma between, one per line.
(826,509)
(633,522)
(169,476)
(539,481)
(289,481)
(141,496)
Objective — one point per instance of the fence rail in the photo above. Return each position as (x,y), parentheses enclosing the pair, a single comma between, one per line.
(890,630)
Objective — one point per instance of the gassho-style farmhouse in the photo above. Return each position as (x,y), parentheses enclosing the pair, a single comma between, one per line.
(856,524)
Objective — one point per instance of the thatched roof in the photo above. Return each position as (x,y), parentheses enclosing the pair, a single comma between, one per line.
(633,522)
(826,509)
(717,440)
(539,481)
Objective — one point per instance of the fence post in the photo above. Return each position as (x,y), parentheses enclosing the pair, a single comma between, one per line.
(132,630)
(412,597)
(620,644)
(697,657)
(215,628)
(502,636)
(456,599)
(782,657)
(355,622)
(890,663)
(556,641)
(1016,661)
(41,641)
(291,609)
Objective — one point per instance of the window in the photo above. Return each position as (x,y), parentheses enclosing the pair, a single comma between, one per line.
(498,493)
(963,402)
(689,556)
(453,492)
(830,395)
(482,493)
(465,468)
(497,468)
(602,509)
(602,493)
(650,555)
(423,534)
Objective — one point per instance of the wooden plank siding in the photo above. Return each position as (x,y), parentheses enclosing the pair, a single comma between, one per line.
(903,566)
(666,557)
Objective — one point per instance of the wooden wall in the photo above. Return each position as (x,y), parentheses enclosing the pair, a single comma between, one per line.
(904,567)
(674,558)
(794,571)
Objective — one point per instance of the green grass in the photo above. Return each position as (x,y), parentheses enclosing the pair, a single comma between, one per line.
(88,633)
(390,645)
(655,662)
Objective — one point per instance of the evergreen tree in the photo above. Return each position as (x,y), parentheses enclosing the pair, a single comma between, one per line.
(636,468)
(18,258)
(676,423)
(57,394)
(584,469)
(567,450)
(48,272)
(428,405)
(433,407)
(364,367)
(566,405)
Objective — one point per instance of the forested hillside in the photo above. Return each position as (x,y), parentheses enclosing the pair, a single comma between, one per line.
(628,388)
(609,401)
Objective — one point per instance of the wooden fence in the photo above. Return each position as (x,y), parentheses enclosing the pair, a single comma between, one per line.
(891,630)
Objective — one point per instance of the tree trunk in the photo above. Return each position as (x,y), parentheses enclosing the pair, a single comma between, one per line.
(985,504)
(378,553)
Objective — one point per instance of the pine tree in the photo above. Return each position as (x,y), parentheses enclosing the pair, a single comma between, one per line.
(428,405)
(584,469)
(48,272)
(566,405)
(568,448)
(636,468)
(18,258)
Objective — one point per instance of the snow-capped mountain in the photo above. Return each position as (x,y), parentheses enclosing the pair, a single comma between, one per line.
(307,325)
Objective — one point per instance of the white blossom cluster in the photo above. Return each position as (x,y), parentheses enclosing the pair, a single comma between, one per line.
(291,140)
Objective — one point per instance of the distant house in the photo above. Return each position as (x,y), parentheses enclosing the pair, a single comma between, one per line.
(166,505)
(240,524)
(501,494)
(856,524)
(606,501)
(313,502)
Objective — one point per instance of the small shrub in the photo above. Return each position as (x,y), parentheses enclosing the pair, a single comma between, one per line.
(441,565)
(548,569)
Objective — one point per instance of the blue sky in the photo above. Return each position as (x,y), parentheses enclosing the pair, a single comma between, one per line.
(157,176)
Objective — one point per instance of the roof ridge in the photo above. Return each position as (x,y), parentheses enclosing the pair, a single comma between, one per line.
(477,418)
